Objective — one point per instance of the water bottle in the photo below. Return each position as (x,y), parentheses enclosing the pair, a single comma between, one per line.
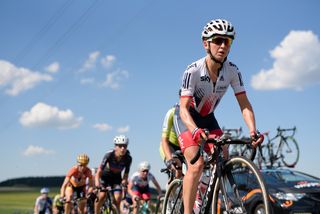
(203,183)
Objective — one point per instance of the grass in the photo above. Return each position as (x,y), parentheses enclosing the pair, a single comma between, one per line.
(19,200)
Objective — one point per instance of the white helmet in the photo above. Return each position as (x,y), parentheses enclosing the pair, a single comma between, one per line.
(144,166)
(121,139)
(44,190)
(218,27)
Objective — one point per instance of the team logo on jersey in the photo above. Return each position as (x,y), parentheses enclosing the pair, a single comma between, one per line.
(205,78)
(221,78)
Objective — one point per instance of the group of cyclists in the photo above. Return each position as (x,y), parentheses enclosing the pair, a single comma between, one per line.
(204,83)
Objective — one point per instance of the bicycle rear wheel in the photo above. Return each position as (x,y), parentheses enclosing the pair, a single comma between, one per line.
(290,151)
(173,201)
(240,189)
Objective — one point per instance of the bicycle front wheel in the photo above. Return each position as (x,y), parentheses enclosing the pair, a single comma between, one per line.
(173,201)
(289,152)
(240,189)
(110,210)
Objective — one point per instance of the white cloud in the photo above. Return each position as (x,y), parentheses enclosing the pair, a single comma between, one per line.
(114,79)
(53,67)
(37,150)
(296,64)
(102,127)
(123,129)
(108,61)
(43,115)
(90,62)
(17,79)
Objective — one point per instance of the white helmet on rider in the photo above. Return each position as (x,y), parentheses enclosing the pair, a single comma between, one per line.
(218,27)
(121,140)
(44,190)
(144,166)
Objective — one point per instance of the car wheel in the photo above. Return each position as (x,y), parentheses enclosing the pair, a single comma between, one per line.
(259,209)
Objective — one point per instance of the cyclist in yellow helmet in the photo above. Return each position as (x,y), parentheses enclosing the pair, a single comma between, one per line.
(75,181)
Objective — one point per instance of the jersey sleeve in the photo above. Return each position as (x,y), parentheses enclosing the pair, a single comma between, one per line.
(167,123)
(128,164)
(236,80)
(71,172)
(188,81)
(105,160)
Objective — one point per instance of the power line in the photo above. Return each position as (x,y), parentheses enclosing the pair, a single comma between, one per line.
(36,38)
(65,36)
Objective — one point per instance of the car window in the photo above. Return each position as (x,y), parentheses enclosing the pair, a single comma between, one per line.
(290,176)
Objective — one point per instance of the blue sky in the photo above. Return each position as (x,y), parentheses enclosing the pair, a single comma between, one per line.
(73,74)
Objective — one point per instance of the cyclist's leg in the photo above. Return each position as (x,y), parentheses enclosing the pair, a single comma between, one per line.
(136,199)
(117,192)
(99,202)
(82,200)
(68,196)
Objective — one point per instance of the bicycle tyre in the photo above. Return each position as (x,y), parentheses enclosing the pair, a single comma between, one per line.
(110,210)
(173,201)
(290,144)
(233,169)
(159,205)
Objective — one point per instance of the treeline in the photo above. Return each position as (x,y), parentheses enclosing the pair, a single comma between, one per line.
(50,181)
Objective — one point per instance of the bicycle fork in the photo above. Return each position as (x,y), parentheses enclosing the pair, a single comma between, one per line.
(230,206)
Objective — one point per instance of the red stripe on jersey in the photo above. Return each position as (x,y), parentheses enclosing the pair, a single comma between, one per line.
(242,92)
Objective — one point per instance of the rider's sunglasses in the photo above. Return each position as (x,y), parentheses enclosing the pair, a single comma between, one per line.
(145,171)
(122,146)
(219,40)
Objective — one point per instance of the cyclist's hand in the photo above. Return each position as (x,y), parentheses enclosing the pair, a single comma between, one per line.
(198,134)
(256,138)
(124,183)
(62,199)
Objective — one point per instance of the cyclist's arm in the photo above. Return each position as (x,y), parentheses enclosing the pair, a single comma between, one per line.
(185,102)
(64,185)
(157,185)
(97,177)
(247,111)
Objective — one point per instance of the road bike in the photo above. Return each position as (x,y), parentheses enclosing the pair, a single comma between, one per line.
(108,207)
(235,184)
(280,149)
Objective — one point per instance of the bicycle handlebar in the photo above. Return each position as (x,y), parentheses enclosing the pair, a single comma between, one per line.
(285,130)
(223,140)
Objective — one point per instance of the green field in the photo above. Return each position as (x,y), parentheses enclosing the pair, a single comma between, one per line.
(19,200)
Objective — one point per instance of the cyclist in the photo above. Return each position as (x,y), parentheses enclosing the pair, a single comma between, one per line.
(43,203)
(169,143)
(138,187)
(75,182)
(203,85)
(109,172)
(57,206)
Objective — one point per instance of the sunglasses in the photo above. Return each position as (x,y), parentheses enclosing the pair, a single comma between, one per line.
(219,40)
(145,171)
(121,145)
(82,165)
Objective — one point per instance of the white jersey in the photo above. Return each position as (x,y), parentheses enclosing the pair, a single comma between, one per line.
(138,181)
(206,95)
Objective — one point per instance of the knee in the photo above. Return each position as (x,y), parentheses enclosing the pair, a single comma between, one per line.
(196,168)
